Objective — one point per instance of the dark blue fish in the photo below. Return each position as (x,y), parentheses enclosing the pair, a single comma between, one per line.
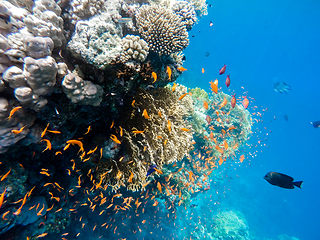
(286,118)
(281,87)
(151,169)
(282,180)
(316,124)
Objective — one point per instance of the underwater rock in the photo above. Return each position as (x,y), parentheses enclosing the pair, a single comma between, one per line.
(80,91)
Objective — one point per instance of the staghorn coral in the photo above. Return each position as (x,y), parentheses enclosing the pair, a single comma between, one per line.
(161,142)
(163,30)
(187,13)
(134,48)
(80,91)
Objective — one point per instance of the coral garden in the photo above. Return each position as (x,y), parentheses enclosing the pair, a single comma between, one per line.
(94,131)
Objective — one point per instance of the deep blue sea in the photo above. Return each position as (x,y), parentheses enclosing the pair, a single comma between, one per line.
(264,42)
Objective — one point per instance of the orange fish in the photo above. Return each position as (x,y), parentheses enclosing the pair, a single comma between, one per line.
(45,130)
(145,114)
(169,125)
(137,132)
(174,87)
(48,144)
(76,142)
(56,132)
(241,158)
(6,175)
(2,196)
(185,129)
(88,130)
(182,96)
(13,111)
(205,105)
(159,113)
(214,87)
(169,72)
(245,102)
(159,187)
(154,75)
(112,124)
(220,161)
(18,131)
(130,178)
(225,144)
(202,70)
(132,104)
(233,101)
(235,146)
(208,119)
(115,139)
(224,103)
(181,69)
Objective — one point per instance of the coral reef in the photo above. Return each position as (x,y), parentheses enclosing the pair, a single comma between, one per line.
(230,224)
(157,137)
(187,13)
(80,91)
(133,48)
(83,9)
(163,30)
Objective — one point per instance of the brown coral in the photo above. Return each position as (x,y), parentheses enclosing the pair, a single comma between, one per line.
(163,140)
(163,30)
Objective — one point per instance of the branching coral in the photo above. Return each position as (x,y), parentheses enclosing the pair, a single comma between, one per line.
(163,30)
(154,132)
(187,13)
(134,48)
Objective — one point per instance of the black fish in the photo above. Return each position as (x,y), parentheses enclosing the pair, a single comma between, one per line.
(282,180)
(316,124)
(184,58)
(206,54)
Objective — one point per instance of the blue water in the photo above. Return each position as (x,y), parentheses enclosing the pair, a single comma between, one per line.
(263,42)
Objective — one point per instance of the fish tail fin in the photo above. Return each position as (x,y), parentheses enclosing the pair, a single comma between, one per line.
(298,183)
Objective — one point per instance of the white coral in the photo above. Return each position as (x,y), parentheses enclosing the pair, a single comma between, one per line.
(134,48)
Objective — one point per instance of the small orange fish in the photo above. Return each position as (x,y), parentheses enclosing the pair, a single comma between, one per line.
(159,187)
(233,101)
(154,75)
(76,142)
(169,72)
(13,111)
(18,131)
(130,178)
(224,103)
(245,102)
(174,87)
(182,96)
(115,139)
(121,131)
(241,158)
(181,69)
(56,132)
(132,104)
(88,130)
(220,161)
(112,124)
(145,114)
(169,125)
(48,144)
(185,129)
(159,113)
(42,235)
(235,146)
(202,70)
(138,132)
(6,175)
(2,196)
(205,105)
(214,87)
(45,130)
(225,144)
(157,170)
